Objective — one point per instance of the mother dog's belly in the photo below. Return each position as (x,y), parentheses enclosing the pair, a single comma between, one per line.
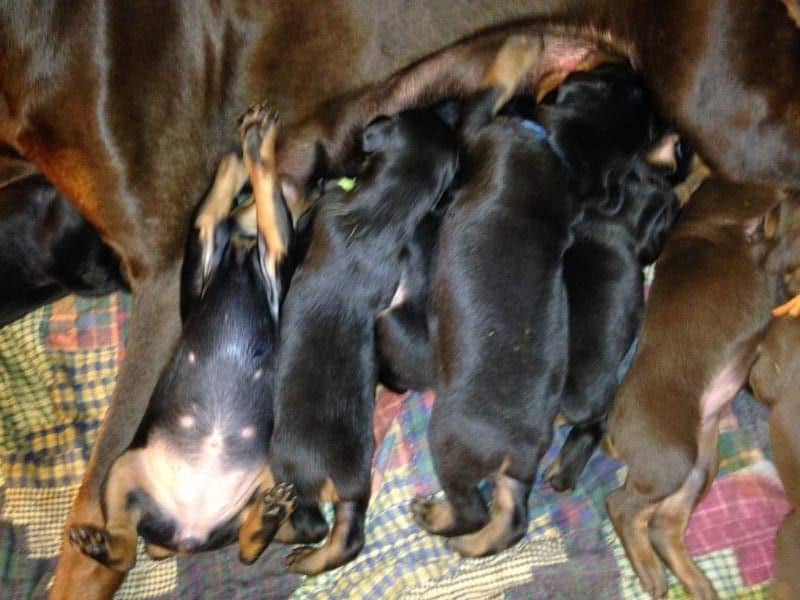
(199,492)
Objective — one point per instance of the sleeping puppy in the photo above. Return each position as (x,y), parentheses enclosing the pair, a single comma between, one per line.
(773,379)
(707,310)
(501,343)
(604,279)
(401,331)
(49,250)
(327,368)
(194,475)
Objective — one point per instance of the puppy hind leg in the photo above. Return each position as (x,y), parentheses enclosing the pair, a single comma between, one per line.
(343,544)
(668,526)
(462,510)
(307,525)
(507,524)
(514,60)
(630,514)
(578,448)
(115,545)
(272,507)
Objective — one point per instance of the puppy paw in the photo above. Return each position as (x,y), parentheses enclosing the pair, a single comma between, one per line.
(92,541)
(301,561)
(257,120)
(558,480)
(279,502)
(433,514)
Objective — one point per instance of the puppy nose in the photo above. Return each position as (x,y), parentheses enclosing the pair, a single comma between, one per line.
(189,544)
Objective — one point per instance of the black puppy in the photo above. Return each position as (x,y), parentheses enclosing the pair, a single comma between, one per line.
(501,343)
(604,279)
(327,368)
(195,473)
(401,331)
(49,250)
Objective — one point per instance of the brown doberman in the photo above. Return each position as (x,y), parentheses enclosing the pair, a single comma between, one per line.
(127,108)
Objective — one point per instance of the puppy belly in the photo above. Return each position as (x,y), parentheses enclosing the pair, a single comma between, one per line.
(722,388)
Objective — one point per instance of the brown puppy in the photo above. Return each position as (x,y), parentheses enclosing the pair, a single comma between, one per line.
(708,308)
(85,88)
(774,379)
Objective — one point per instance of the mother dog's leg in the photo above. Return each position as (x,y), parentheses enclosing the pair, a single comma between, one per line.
(155,315)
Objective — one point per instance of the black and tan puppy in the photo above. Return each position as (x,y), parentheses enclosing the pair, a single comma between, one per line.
(501,342)
(401,331)
(327,368)
(707,310)
(191,477)
(604,279)
(48,250)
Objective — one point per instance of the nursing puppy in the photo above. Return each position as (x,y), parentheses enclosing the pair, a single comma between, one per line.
(48,250)
(501,342)
(707,310)
(327,368)
(401,331)
(773,379)
(604,279)
(190,478)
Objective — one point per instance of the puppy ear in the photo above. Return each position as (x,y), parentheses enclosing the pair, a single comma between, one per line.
(661,211)
(211,231)
(376,134)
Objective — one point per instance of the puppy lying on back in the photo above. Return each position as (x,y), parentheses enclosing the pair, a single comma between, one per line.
(327,368)
(501,341)
(189,480)
(49,250)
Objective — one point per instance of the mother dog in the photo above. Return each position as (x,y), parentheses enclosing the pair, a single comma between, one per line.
(127,108)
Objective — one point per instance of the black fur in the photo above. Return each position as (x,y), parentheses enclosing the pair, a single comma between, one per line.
(48,250)
(603,274)
(401,332)
(500,297)
(221,372)
(327,368)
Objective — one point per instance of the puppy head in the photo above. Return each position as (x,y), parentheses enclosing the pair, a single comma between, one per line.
(641,194)
(600,117)
(412,144)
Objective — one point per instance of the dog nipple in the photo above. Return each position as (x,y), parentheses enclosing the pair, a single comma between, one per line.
(186,421)
(248,432)
(192,358)
(215,443)
(257,375)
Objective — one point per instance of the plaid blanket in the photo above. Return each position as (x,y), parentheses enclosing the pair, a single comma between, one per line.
(57,371)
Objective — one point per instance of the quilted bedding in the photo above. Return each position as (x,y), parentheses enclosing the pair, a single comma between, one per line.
(57,371)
